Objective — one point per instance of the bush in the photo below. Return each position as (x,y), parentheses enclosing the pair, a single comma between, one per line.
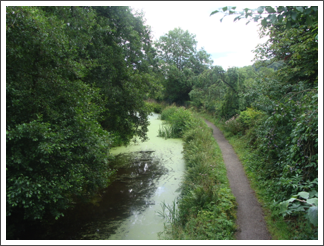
(233,126)
(178,118)
(154,107)
(250,118)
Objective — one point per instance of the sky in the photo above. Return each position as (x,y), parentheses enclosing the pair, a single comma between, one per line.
(229,43)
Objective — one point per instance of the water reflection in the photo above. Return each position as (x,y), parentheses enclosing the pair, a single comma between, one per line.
(149,173)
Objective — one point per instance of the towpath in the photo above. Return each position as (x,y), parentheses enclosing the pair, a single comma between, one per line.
(250,218)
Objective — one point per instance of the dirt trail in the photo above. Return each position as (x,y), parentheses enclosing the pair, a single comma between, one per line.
(250,218)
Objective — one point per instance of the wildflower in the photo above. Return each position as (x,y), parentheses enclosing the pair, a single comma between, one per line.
(294,119)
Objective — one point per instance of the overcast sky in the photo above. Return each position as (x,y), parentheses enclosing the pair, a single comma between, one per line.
(229,43)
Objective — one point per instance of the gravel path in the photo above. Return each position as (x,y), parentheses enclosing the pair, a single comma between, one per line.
(250,220)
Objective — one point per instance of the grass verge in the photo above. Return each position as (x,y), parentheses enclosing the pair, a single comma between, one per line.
(206,207)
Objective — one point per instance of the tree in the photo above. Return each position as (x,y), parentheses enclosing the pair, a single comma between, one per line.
(209,89)
(177,50)
(231,105)
(296,48)
(121,47)
(288,15)
(56,149)
(176,47)
(77,78)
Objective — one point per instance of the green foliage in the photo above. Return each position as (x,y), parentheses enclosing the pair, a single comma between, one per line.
(288,15)
(297,48)
(76,82)
(169,212)
(178,48)
(208,89)
(56,149)
(249,117)
(294,226)
(121,46)
(177,119)
(180,62)
(206,209)
(178,85)
(231,104)
(154,107)
(307,202)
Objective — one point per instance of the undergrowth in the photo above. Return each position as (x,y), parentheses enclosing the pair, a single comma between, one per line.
(206,207)
(294,227)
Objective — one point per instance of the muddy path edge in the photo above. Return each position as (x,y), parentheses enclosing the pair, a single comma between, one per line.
(250,217)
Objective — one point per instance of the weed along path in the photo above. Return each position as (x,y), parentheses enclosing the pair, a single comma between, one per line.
(250,220)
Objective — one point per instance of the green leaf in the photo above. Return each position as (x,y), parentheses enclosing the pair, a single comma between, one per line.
(260,9)
(264,23)
(312,215)
(214,12)
(273,19)
(224,8)
(300,9)
(303,194)
(283,206)
(288,24)
(291,199)
(256,18)
(237,18)
(313,201)
(270,10)
(309,20)
(281,9)
(294,15)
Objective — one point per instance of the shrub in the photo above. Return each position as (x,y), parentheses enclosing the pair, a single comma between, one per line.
(250,117)
(233,126)
(154,107)
(178,118)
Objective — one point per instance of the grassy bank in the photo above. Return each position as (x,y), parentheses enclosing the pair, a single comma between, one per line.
(206,207)
(288,228)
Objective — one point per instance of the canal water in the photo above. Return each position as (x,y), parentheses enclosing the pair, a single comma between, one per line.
(161,184)
(151,174)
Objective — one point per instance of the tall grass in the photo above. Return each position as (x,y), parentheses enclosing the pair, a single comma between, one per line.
(178,120)
(206,208)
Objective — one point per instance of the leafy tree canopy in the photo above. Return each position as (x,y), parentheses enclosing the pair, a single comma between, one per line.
(288,15)
(76,82)
(177,51)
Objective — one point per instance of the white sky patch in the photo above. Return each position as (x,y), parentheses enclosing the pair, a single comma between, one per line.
(213,35)
(237,59)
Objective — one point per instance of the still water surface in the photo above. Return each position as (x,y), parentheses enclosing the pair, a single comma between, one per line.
(143,222)
(127,209)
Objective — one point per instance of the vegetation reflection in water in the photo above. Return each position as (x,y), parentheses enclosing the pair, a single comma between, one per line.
(144,222)
(151,174)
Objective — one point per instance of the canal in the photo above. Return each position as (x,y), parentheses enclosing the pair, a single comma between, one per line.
(151,173)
